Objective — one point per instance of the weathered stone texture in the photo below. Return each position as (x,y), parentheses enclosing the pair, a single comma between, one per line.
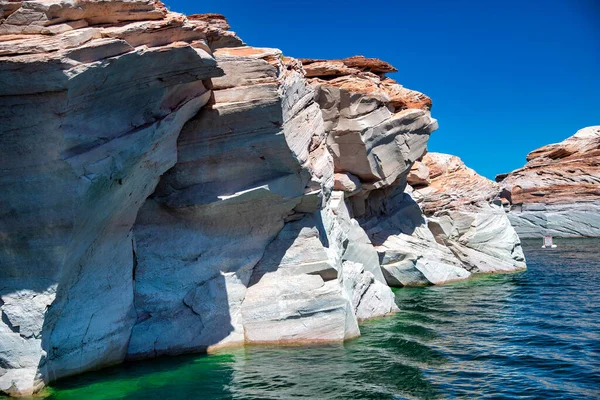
(167,189)
(461,232)
(557,193)
(89,124)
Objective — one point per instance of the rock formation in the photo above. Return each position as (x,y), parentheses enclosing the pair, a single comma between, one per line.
(212,257)
(93,95)
(557,193)
(461,232)
(167,189)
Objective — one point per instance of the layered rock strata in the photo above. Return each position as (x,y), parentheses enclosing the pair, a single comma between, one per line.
(557,193)
(445,229)
(93,95)
(376,128)
(468,216)
(111,85)
(167,189)
(212,257)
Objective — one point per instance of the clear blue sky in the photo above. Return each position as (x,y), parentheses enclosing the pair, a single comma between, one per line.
(505,76)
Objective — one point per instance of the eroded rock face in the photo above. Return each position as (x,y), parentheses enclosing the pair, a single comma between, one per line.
(246,162)
(359,74)
(376,128)
(167,189)
(452,185)
(89,123)
(409,253)
(465,216)
(446,230)
(557,193)
(111,85)
(211,252)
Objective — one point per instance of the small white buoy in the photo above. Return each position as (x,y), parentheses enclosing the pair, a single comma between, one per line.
(548,243)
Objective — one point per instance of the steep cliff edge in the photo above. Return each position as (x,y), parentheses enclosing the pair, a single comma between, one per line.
(167,189)
(557,192)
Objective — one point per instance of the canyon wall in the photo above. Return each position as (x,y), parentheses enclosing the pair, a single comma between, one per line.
(167,189)
(557,193)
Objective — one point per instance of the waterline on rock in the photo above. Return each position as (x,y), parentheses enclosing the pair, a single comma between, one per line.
(532,334)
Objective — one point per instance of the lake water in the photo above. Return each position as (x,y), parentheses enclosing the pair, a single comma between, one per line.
(530,335)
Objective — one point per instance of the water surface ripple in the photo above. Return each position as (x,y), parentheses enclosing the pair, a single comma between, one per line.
(531,335)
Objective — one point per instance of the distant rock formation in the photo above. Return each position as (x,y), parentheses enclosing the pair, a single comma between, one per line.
(557,193)
(461,232)
(167,189)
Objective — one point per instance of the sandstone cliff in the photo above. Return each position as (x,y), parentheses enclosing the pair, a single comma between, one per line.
(445,228)
(167,189)
(93,95)
(557,192)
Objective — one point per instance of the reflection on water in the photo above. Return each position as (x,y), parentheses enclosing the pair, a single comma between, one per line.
(533,335)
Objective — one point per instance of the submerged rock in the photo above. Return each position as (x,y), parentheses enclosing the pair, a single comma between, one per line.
(557,193)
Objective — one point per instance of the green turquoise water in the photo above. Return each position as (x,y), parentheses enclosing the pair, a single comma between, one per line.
(531,335)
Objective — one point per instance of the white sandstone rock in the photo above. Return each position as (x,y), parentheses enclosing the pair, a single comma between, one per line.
(88,126)
(167,189)
(296,309)
(369,297)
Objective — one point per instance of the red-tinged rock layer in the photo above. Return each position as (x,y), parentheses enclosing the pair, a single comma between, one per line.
(565,172)
(453,186)
(109,28)
(359,74)
(557,192)
(346,66)
(377,128)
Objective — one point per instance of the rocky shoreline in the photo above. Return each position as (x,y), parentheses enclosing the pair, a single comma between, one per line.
(167,189)
(557,192)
